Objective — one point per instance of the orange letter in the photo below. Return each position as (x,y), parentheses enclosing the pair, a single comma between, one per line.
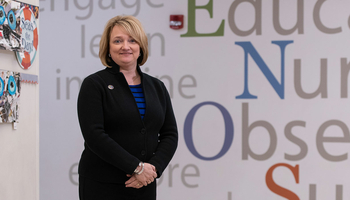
(278,189)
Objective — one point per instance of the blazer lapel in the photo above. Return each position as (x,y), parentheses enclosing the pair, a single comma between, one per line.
(123,96)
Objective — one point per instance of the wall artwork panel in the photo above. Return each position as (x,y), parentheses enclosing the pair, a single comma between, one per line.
(30,38)
(10,31)
(10,87)
(17,23)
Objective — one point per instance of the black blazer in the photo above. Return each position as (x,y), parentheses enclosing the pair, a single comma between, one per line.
(116,138)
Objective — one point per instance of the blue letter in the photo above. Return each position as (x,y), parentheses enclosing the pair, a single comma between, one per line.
(228,131)
(249,49)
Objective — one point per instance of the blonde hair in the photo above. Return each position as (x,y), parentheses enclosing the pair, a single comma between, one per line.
(134,28)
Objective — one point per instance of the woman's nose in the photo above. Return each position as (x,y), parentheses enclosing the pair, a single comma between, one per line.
(125,45)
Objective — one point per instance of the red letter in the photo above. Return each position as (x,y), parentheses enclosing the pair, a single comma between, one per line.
(278,189)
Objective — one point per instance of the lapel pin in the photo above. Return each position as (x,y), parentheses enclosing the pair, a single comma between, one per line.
(111,87)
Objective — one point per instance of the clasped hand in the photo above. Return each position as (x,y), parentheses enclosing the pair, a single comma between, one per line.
(139,180)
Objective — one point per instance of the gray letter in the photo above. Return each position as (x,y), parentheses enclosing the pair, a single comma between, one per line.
(184,174)
(300,17)
(344,74)
(194,84)
(83,41)
(302,145)
(111,5)
(320,139)
(257,24)
(66,5)
(52,5)
(322,88)
(246,129)
(317,20)
(162,44)
(338,194)
(58,85)
(73,173)
(137,4)
(89,6)
(171,174)
(68,82)
(312,192)
(93,44)
(154,5)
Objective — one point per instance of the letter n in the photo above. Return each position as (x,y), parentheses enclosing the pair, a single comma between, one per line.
(249,49)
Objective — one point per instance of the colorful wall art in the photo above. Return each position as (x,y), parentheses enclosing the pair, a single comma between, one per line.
(30,38)
(10,87)
(10,32)
(18,30)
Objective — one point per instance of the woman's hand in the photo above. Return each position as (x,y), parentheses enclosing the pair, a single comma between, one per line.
(146,177)
(133,182)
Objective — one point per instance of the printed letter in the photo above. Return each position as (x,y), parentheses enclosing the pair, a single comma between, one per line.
(191,29)
(283,192)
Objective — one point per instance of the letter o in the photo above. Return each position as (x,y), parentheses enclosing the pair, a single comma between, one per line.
(228,131)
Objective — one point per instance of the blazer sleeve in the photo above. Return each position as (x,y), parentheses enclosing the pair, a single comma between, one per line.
(168,138)
(91,120)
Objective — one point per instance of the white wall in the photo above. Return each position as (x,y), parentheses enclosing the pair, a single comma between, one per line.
(19,149)
(309,131)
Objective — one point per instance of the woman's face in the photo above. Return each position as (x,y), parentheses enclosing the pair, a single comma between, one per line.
(123,48)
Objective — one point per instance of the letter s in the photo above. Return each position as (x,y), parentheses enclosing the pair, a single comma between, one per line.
(283,192)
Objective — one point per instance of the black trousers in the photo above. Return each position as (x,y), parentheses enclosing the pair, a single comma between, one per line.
(94,190)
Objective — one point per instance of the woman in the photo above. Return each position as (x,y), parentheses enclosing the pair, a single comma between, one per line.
(126,119)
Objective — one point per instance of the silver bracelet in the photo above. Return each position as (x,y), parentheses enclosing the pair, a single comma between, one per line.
(137,171)
(143,167)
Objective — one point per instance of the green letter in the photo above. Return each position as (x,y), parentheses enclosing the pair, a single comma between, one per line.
(191,29)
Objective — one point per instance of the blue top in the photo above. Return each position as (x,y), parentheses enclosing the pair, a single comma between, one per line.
(139,98)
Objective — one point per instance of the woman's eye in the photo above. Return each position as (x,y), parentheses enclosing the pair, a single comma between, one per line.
(117,41)
(132,41)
